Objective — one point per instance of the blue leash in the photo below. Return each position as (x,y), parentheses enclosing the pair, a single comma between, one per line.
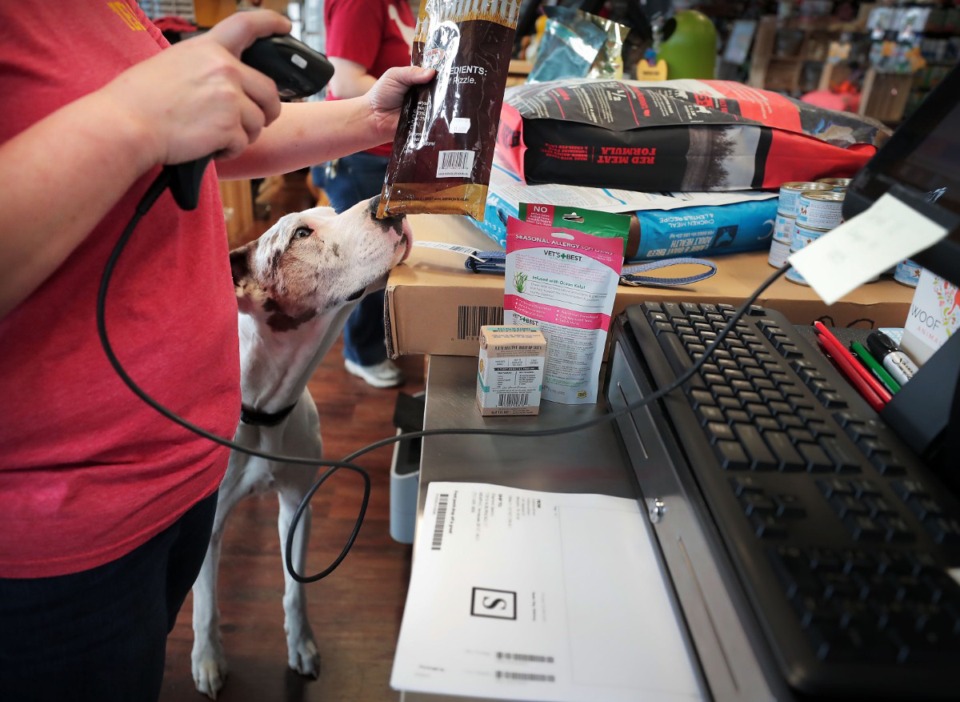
(496,262)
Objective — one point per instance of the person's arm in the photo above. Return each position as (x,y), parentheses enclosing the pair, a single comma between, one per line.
(350,79)
(313,132)
(191,100)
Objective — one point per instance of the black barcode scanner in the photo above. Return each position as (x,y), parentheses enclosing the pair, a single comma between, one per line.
(298,71)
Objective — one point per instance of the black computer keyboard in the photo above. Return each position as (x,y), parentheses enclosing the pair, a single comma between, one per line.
(840,538)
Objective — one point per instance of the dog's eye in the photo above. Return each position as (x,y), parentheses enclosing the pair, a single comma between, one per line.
(302,232)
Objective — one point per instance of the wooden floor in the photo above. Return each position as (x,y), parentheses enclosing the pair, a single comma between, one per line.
(355,612)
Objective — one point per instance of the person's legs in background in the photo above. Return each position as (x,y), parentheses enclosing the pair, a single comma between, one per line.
(355,178)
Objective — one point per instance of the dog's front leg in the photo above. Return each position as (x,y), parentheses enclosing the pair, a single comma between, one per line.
(208,663)
(302,653)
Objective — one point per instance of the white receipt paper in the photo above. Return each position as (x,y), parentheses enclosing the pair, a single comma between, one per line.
(527,595)
(864,247)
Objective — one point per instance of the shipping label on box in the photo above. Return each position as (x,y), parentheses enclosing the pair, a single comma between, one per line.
(510,370)
(933,317)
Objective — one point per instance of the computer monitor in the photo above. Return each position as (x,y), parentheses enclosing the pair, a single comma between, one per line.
(920,165)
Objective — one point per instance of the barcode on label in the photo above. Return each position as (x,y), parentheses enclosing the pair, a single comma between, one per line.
(533,677)
(513,399)
(441,520)
(524,657)
(470,319)
(455,164)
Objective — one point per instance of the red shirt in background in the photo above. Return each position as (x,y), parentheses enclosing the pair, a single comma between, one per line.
(377,34)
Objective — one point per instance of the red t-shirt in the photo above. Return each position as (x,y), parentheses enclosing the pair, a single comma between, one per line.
(377,34)
(89,472)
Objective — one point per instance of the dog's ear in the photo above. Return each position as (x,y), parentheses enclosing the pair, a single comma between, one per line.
(242,278)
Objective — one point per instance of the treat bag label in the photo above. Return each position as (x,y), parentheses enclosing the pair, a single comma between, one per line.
(563,281)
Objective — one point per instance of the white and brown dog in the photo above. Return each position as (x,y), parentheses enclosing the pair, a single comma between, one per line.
(295,286)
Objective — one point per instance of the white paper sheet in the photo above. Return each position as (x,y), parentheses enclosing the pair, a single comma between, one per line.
(528,595)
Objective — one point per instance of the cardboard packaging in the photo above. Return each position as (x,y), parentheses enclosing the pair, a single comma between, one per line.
(934,316)
(510,370)
(435,305)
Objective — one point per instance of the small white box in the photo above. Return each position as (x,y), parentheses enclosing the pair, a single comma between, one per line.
(510,372)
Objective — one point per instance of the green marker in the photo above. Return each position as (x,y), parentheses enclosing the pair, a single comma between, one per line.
(870,362)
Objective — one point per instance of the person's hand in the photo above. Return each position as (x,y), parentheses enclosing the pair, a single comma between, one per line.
(197,98)
(385,98)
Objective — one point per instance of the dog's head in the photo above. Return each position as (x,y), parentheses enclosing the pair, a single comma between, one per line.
(317,261)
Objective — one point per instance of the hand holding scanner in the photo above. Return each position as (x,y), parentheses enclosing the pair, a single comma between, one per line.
(297,70)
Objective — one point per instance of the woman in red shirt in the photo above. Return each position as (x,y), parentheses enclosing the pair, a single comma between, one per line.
(105,506)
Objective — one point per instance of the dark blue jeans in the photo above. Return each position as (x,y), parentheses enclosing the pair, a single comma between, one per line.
(100,635)
(360,177)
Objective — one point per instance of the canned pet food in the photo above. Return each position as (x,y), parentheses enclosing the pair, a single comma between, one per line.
(838,184)
(802,236)
(790,193)
(907,272)
(782,236)
(783,228)
(779,251)
(820,209)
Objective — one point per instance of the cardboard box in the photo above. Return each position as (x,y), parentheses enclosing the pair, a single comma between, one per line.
(510,370)
(436,306)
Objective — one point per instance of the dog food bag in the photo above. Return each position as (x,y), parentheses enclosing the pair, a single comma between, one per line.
(510,370)
(676,135)
(446,138)
(564,282)
(663,225)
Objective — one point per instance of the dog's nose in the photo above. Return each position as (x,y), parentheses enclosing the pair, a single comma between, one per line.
(394,222)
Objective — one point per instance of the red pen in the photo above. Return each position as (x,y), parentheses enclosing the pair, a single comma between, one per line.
(869,387)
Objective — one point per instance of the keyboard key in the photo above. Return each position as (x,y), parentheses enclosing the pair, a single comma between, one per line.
(710,413)
(817,460)
(844,460)
(766,526)
(731,455)
(760,456)
(720,431)
(787,457)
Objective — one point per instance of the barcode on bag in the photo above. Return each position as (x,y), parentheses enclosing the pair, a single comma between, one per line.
(441,520)
(455,164)
(470,319)
(533,677)
(513,399)
(523,657)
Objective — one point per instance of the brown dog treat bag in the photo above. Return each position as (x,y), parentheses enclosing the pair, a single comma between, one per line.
(446,138)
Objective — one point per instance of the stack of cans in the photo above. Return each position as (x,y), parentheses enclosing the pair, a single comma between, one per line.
(786,222)
(818,211)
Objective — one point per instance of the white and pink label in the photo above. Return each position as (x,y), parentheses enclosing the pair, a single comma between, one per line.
(563,281)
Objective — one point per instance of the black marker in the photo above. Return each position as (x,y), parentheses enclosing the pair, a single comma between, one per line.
(897,363)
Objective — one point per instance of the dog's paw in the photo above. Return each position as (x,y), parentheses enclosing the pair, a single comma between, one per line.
(209,674)
(304,658)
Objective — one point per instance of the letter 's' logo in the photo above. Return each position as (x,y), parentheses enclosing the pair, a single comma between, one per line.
(497,604)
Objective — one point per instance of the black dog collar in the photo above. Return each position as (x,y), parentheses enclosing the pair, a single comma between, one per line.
(264,419)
